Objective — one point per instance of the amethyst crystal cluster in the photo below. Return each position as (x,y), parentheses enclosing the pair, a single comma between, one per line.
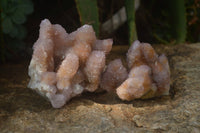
(65,65)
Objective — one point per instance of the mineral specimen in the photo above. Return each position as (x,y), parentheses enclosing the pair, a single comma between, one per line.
(149,74)
(64,65)
(114,75)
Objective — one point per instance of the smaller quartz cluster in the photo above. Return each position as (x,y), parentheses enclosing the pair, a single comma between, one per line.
(64,65)
(148,76)
(149,73)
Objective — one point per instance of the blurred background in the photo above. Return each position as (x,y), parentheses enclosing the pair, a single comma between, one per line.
(168,22)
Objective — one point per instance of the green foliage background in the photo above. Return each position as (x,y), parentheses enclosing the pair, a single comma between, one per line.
(13,16)
(88,12)
(168,22)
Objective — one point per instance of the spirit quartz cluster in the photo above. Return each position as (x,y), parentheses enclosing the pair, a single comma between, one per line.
(65,65)
(149,74)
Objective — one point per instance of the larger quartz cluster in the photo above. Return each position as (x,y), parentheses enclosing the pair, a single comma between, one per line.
(64,65)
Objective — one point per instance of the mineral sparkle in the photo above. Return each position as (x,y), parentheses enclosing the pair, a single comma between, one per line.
(65,65)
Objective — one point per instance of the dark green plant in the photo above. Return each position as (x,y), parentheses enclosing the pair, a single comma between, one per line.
(168,21)
(178,17)
(2,57)
(130,12)
(162,28)
(13,16)
(88,12)
(193,21)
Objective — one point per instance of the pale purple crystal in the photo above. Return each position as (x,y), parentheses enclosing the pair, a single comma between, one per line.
(114,75)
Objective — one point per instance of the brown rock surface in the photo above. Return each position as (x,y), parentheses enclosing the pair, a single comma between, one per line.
(22,110)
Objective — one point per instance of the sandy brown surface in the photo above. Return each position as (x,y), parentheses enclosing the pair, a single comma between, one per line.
(23,110)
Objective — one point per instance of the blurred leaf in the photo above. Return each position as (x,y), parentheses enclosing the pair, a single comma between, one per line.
(88,12)
(3,15)
(15,0)
(18,17)
(3,4)
(13,16)
(7,25)
(14,32)
(11,8)
(130,12)
(22,32)
(2,49)
(178,18)
(26,7)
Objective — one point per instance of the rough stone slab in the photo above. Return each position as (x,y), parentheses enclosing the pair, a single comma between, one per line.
(22,110)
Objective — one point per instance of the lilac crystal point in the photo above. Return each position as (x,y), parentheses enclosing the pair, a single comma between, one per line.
(114,75)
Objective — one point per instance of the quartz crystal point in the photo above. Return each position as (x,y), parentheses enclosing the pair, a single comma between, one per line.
(149,74)
(64,65)
(93,69)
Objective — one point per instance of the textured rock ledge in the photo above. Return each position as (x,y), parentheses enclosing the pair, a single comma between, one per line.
(179,112)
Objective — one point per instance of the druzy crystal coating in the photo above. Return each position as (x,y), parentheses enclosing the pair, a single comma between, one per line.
(65,65)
